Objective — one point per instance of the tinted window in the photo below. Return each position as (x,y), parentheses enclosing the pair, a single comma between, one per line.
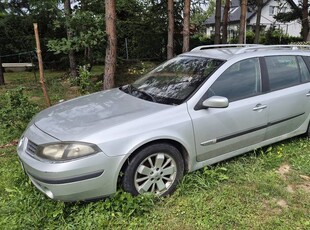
(241,80)
(283,71)
(304,72)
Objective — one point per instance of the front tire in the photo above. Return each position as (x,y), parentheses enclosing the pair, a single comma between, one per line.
(157,168)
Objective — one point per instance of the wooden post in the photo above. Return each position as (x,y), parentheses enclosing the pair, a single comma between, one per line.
(47,99)
(1,73)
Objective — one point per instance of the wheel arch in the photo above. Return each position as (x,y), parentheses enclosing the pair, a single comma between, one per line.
(184,153)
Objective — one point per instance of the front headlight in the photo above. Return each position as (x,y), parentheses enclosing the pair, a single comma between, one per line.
(66,150)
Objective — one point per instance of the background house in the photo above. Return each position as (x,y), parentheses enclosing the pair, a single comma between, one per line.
(269,10)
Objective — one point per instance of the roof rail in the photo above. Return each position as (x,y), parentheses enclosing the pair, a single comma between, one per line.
(292,47)
(252,47)
(225,46)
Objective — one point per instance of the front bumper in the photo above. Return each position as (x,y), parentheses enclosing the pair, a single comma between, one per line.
(80,179)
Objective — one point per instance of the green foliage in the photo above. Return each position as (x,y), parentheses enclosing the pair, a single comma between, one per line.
(250,36)
(270,37)
(87,30)
(289,16)
(16,26)
(15,113)
(199,15)
(124,204)
(85,81)
(200,39)
(275,36)
(203,179)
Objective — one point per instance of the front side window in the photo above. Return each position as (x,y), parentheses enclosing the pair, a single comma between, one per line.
(241,80)
(175,80)
(283,71)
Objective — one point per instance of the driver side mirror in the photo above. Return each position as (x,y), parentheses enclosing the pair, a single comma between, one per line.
(215,102)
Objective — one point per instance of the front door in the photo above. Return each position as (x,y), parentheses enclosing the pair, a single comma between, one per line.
(243,123)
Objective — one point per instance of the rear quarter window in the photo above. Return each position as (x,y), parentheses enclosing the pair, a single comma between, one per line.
(304,68)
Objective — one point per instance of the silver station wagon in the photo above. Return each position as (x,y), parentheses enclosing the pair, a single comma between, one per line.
(202,107)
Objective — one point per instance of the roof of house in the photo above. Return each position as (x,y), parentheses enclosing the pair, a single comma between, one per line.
(235,12)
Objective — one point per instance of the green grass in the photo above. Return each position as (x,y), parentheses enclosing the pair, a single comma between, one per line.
(265,189)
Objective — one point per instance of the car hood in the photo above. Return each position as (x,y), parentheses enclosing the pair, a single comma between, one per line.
(83,116)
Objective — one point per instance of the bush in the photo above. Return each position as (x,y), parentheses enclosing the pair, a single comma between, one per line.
(86,82)
(275,37)
(200,39)
(15,113)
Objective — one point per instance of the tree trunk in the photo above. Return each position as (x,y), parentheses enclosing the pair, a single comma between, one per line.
(217,35)
(242,22)
(225,21)
(186,25)
(308,36)
(170,29)
(68,13)
(258,17)
(110,58)
(305,20)
(1,73)
(88,56)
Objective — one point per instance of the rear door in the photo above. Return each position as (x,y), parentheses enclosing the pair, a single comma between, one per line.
(289,101)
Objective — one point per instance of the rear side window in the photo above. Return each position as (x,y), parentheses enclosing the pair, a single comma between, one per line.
(283,71)
(304,72)
(241,80)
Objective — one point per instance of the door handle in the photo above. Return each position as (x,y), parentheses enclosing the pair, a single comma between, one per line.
(259,107)
(308,94)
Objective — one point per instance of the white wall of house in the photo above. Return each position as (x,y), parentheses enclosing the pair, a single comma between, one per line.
(271,9)
(232,28)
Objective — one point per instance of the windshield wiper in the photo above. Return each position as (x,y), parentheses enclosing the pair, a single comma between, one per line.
(132,88)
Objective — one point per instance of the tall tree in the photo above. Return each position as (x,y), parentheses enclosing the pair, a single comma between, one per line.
(298,12)
(72,60)
(259,6)
(170,29)
(305,20)
(110,58)
(242,22)
(225,21)
(186,25)
(217,32)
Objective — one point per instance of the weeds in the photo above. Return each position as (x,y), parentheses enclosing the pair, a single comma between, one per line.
(86,82)
(15,113)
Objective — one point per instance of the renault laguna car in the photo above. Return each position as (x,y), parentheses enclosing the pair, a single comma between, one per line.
(199,108)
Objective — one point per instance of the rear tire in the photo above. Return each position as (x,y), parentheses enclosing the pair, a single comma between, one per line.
(157,168)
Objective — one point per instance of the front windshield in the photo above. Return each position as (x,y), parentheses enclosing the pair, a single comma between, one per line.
(175,80)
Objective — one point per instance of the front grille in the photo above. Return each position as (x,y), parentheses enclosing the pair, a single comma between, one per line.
(31,148)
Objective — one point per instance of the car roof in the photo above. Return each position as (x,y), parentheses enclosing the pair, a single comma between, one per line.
(228,51)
